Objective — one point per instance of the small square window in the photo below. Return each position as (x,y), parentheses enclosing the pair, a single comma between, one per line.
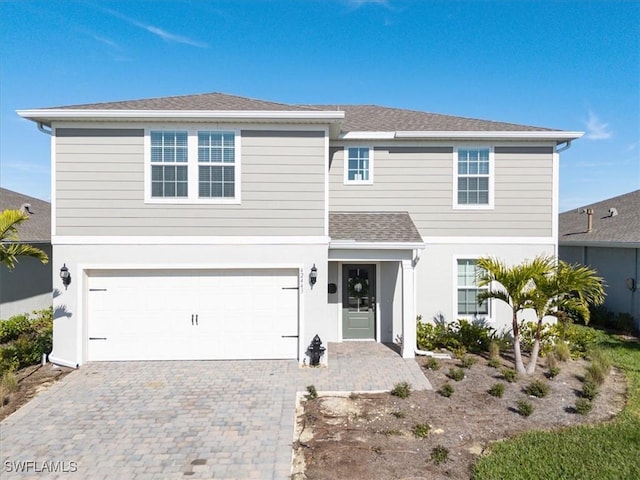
(358,165)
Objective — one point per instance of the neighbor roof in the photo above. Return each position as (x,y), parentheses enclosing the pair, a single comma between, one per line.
(373,227)
(358,118)
(38,228)
(620,228)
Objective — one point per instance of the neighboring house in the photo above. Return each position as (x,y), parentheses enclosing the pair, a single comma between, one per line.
(193,226)
(28,286)
(606,237)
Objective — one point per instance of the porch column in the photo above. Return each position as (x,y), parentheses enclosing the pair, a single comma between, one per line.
(408,310)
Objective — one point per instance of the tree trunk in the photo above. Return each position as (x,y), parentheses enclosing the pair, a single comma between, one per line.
(535,351)
(516,345)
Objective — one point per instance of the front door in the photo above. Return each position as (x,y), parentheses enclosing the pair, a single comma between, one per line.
(359,302)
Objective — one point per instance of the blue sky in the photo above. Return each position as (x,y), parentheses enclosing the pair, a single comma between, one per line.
(573,65)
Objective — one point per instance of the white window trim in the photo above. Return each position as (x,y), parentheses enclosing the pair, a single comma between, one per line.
(490,316)
(346,166)
(192,166)
(491,204)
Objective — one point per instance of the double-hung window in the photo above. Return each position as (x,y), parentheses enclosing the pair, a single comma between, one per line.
(358,165)
(193,165)
(468,290)
(473,178)
(216,164)
(169,164)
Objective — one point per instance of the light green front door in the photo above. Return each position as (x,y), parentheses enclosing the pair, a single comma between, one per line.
(358,302)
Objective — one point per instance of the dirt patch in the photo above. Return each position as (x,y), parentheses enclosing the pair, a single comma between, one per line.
(367,436)
(31,381)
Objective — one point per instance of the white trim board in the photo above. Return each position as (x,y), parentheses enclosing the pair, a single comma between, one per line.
(490,240)
(187,240)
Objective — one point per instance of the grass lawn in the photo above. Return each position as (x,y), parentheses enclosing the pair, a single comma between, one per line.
(605,451)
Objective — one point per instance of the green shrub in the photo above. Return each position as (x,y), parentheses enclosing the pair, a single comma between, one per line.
(524,408)
(509,374)
(598,356)
(494,363)
(527,336)
(590,389)
(553,372)
(439,454)
(562,351)
(459,352)
(497,390)
(596,372)
(456,374)
(312,393)
(421,430)
(537,388)
(473,336)
(30,337)
(583,406)
(15,326)
(432,364)
(402,390)
(494,350)
(468,361)
(446,390)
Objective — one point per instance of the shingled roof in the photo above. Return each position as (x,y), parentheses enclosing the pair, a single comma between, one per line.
(38,228)
(621,226)
(369,118)
(373,227)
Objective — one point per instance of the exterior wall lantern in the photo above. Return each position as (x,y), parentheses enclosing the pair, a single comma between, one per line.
(313,275)
(65,276)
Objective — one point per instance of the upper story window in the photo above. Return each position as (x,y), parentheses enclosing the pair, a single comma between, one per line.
(192,166)
(169,170)
(467,290)
(216,165)
(474,178)
(358,165)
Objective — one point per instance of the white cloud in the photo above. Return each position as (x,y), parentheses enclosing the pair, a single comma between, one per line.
(596,129)
(159,32)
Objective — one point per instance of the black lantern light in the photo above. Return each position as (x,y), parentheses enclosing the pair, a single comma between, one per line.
(65,276)
(313,276)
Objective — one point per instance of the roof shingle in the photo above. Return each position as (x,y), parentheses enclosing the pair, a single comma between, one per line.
(374,227)
(38,228)
(621,228)
(369,118)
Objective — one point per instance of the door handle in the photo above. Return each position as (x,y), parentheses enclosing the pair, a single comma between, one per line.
(196,319)
(192,319)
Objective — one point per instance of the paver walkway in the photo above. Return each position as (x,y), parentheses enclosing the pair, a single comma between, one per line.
(182,420)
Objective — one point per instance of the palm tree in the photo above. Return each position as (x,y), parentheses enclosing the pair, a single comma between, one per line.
(515,286)
(566,288)
(10,248)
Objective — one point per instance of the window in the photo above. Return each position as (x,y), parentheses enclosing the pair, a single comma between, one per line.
(358,165)
(467,290)
(473,170)
(169,175)
(216,165)
(192,165)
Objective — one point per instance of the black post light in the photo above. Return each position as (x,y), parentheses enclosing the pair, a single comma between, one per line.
(313,275)
(65,276)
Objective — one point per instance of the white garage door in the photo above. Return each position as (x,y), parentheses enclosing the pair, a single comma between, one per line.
(182,315)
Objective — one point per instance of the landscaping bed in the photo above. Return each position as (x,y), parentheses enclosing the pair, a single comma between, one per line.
(429,435)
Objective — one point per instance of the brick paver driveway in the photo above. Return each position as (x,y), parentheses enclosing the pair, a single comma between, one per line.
(182,420)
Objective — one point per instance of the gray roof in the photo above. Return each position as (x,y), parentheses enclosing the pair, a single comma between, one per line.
(38,228)
(374,227)
(371,118)
(621,228)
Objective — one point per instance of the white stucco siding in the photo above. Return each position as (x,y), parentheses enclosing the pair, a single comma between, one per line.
(100,186)
(419,178)
(437,282)
(71,306)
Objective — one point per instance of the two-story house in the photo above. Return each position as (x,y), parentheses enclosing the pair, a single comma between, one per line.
(220,227)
